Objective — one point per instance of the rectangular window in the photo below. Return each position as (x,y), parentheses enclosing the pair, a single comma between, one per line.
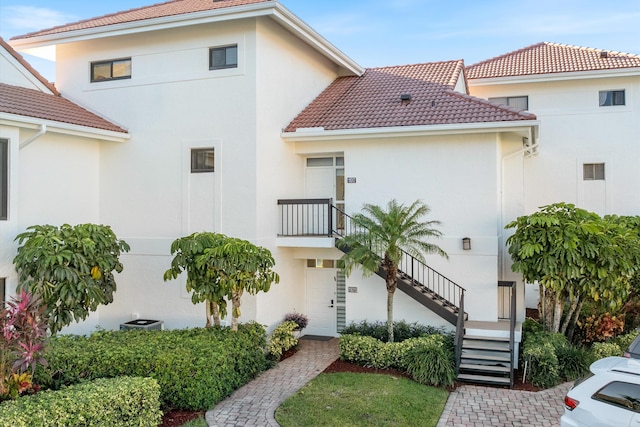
(518,102)
(202,160)
(611,97)
(593,171)
(115,69)
(320,263)
(4,178)
(223,57)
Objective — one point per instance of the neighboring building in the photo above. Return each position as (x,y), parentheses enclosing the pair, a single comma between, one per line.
(588,103)
(49,157)
(243,120)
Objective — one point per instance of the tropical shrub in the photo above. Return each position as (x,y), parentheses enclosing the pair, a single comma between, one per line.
(195,368)
(401,330)
(601,327)
(70,267)
(282,339)
(300,319)
(23,329)
(114,402)
(429,359)
(600,350)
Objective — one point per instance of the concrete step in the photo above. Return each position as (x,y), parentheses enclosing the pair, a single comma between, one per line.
(485,338)
(484,379)
(485,345)
(484,368)
(499,358)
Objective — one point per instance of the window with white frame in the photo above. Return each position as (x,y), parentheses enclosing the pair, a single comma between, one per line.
(518,102)
(593,171)
(608,98)
(202,160)
(223,57)
(114,69)
(4,178)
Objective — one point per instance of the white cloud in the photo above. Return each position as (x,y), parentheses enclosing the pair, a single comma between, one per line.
(15,20)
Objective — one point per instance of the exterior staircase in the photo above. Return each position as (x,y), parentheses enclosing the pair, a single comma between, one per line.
(486,360)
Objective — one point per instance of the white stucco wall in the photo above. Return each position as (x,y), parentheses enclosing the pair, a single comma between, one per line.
(575,130)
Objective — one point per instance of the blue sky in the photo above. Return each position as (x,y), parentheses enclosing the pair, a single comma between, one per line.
(393,32)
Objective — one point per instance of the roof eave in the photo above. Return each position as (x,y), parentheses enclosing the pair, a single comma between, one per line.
(319,134)
(63,128)
(572,75)
(272,9)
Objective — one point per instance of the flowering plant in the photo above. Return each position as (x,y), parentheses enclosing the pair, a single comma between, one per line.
(23,331)
(298,318)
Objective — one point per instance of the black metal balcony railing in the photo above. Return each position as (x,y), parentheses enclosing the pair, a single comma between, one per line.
(318,217)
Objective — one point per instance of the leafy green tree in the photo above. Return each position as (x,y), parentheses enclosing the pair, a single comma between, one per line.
(575,256)
(220,267)
(379,238)
(203,283)
(70,268)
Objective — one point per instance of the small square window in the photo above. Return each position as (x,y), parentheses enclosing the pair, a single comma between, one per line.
(611,97)
(593,171)
(223,57)
(202,160)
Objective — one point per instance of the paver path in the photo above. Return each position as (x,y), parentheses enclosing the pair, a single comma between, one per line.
(255,403)
(477,406)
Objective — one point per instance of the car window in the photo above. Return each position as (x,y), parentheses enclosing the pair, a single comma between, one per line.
(618,393)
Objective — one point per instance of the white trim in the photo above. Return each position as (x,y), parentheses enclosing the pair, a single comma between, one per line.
(271,9)
(36,82)
(64,128)
(307,134)
(572,75)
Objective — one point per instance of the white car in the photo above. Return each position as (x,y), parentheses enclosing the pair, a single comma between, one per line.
(608,397)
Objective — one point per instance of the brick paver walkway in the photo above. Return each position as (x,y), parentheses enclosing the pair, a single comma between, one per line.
(477,406)
(255,404)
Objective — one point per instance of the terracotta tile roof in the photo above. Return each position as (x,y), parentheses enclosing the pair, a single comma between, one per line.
(33,103)
(373,100)
(159,10)
(28,66)
(548,58)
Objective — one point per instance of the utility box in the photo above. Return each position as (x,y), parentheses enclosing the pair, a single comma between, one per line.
(147,324)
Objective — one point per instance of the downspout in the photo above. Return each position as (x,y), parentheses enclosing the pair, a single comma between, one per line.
(42,131)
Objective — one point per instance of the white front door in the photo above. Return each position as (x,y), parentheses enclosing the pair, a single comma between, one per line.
(321,302)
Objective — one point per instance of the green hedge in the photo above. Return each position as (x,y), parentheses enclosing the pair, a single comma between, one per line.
(282,339)
(124,401)
(401,330)
(429,359)
(196,368)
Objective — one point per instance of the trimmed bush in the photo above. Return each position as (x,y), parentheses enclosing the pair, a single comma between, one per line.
(401,330)
(115,402)
(429,359)
(196,368)
(543,364)
(282,339)
(601,350)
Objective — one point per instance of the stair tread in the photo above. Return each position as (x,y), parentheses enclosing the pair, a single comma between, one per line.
(485,346)
(491,368)
(486,357)
(484,378)
(481,338)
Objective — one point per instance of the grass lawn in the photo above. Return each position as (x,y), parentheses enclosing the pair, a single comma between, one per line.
(349,399)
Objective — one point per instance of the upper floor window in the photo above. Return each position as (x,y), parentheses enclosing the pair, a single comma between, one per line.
(593,171)
(223,57)
(115,69)
(4,178)
(611,97)
(519,102)
(202,160)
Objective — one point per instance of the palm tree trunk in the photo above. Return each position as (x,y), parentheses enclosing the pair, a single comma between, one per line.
(392,277)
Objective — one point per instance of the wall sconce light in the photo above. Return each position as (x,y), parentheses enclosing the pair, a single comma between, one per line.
(466,244)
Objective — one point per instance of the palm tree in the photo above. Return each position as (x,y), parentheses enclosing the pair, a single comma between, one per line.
(381,237)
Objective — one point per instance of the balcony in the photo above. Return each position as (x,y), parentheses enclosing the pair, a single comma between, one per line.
(307,223)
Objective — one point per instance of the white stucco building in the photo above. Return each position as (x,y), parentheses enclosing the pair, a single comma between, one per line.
(236,117)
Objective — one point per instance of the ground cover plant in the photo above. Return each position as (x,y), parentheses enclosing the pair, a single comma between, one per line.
(353,399)
(195,368)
